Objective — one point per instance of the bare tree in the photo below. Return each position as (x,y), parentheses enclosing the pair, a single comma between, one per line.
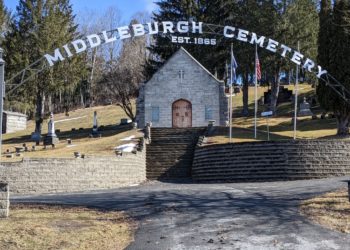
(102,58)
(122,82)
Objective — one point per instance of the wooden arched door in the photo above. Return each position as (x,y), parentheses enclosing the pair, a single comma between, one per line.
(182,114)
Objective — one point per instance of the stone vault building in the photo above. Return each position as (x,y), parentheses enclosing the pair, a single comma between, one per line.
(182,94)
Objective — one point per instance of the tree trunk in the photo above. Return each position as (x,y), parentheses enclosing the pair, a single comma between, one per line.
(50,105)
(40,109)
(82,98)
(343,124)
(245,89)
(275,87)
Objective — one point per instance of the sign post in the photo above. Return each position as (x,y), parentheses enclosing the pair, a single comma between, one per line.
(2,94)
(267,114)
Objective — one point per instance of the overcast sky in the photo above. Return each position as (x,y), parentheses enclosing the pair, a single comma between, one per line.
(127,7)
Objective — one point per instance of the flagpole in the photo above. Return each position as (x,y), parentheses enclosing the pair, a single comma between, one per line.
(296,99)
(228,103)
(231,82)
(256,93)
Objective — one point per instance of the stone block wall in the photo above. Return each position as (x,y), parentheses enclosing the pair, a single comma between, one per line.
(33,176)
(272,161)
(182,77)
(4,200)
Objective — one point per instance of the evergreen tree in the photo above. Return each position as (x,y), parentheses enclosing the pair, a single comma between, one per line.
(299,24)
(41,26)
(182,10)
(3,16)
(334,54)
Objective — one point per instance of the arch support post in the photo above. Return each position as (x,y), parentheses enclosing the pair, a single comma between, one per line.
(2,95)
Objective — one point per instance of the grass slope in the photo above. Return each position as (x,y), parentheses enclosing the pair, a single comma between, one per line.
(81,120)
(280,126)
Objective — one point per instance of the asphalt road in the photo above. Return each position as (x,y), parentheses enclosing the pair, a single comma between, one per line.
(216,216)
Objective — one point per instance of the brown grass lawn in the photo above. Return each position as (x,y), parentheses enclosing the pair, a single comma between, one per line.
(82,119)
(281,126)
(52,227)
(331,210)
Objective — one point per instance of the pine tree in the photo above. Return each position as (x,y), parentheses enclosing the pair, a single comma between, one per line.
(3,15)
(299,25)
(41,26)
(339,54)
(182,10)
(333,54)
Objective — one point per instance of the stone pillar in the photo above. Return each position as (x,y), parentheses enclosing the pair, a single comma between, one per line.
(4,200)
(148,133)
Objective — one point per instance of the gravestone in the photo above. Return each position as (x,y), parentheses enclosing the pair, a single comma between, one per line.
(284,95)
(95,132)
(4,200)
(51,137)
(305,109)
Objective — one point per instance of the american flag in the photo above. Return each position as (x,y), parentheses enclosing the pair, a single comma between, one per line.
(258,69)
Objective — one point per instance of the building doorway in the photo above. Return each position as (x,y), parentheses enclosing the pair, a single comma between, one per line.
(182,114)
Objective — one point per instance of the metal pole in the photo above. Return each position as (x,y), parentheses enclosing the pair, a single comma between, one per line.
(256,93)
(268,129)
(296,100)
(2,94)
(231,95)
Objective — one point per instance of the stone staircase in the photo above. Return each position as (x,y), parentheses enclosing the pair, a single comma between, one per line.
(170,154)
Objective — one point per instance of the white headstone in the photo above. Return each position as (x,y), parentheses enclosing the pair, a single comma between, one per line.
(51,127)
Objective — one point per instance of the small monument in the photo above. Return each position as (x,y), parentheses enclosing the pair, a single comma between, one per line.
(305,109)
(51,137)
(95,132)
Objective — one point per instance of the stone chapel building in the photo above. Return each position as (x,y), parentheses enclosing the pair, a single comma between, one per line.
(182,94)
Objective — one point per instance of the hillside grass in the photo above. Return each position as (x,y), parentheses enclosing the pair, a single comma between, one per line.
(281,126)
(81,120)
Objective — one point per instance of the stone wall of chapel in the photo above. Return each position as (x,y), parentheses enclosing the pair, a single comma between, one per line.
(196,86)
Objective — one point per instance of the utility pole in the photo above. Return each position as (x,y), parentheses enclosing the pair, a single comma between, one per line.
(2,94)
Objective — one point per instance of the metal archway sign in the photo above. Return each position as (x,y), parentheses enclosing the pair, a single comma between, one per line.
(176,31)
(183,27)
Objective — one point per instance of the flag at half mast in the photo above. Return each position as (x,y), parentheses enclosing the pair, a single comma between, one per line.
(234,66)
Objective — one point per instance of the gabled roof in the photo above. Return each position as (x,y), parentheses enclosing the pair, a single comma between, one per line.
(193,59)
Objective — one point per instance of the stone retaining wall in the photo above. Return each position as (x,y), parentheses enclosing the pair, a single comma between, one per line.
(34,176)
(4,200)
(263,161)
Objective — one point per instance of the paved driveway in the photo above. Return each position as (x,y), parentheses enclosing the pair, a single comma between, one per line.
(216,216)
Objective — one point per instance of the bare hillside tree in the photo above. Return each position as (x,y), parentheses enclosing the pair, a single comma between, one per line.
(122,82)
